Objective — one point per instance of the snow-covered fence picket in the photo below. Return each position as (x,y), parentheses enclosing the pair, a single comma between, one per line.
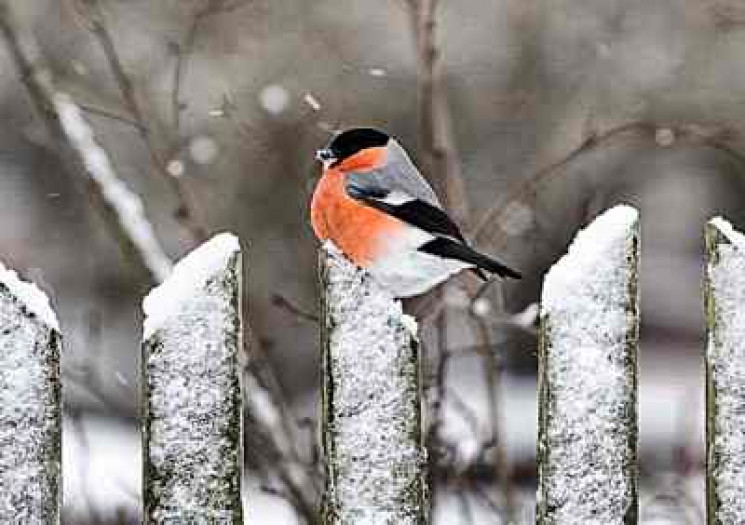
(725,373)
(192,398)
(372,430)
(587,441)
(30,404)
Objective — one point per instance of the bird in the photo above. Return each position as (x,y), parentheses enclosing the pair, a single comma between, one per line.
(375,206)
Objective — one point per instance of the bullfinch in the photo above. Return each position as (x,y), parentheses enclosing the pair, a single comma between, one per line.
(382,214)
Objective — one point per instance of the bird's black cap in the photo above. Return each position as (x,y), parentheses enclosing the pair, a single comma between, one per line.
(351,141)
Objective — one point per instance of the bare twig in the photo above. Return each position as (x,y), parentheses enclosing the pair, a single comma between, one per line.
(436,142)
(466,413)
(466,511)
(109,114)
(187,213)
(438,398)
(492,381)
(303,490)
(183,54)
(432,439)
(285,304)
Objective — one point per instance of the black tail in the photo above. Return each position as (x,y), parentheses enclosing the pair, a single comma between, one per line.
(451,249)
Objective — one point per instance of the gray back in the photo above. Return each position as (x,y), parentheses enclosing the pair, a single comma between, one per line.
(399,174)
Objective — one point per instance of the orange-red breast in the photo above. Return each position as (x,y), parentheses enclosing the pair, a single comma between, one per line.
(379,211)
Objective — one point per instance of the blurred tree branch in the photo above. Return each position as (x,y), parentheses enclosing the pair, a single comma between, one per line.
(727,140)
(439,153)
(143,248)
(183,52)
(727,14)
(109,114)
(188,213)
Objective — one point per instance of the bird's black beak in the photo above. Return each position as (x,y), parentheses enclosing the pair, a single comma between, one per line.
(326,156)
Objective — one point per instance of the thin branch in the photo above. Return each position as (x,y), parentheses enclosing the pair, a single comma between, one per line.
(492,381)
(466,512)
(109,114)
(187,213)
(285,304)
(282,436)
(484,497)
(466,413)
(432,439)
(184,51)
(440,160)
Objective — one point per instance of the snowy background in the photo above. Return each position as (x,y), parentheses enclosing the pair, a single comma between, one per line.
(235,97)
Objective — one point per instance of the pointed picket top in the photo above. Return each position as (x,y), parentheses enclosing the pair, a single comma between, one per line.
(30,296)
(30,404)
(191,389)
(587,377)
(187,280)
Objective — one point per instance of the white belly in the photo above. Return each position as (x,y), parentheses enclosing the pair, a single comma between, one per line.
(407,273)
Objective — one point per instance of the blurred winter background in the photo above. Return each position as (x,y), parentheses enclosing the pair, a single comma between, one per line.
(547,112)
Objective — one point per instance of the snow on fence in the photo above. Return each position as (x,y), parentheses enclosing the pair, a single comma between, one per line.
(372,429)
(587,437)
(30,404)
(725,373)
(191,412)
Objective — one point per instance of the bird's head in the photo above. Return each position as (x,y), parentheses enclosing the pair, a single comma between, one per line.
(356,148)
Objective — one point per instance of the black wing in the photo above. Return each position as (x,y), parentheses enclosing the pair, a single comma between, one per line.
(450,249)
(416,212)
(448,241)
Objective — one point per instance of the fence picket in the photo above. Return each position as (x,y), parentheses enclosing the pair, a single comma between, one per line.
(30,404)
(372,435)
(191,389)
(587,441)
(725,373)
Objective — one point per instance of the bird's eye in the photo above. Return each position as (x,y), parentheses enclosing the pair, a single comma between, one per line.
(325,155)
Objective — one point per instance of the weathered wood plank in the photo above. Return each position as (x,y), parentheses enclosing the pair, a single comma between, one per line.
(372,429)
(587,443)
(191,390)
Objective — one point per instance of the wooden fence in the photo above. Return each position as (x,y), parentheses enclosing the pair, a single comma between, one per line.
(372,428)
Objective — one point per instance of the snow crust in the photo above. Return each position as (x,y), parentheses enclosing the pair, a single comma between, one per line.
(29,405)
(193,421)
(126,203)
(725,228)
(373,425)
(726,361)
(36,301)
(604,238)
(589,398)
(188,275)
